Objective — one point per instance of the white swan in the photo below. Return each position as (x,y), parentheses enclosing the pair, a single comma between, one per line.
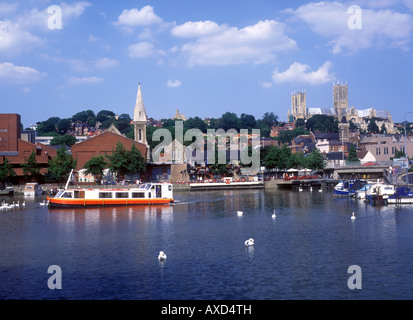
(273,215)
(249,242)
(161,256)
(353,217)
(240,213)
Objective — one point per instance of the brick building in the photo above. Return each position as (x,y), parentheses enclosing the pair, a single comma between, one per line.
(17,150)
(101,145)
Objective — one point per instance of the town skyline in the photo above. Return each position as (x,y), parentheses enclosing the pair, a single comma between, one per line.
(202,58)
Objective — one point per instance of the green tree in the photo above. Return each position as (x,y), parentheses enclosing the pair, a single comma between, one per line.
(104,115)
(273,159)
(61,165)
(6,171)
(123,161)
(248,121)
(352,154)
(136,162)
(67,140)
(372,126)
(95,166)
(229,120)
(315,160)
(31,168)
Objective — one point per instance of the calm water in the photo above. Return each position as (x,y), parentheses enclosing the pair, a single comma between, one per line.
(304,253)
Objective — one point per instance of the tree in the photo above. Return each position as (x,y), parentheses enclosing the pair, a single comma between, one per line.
(31,169)
(136,162)
(61,165)
(229,120)
(95,166)
(104,115)
(273,158)
(67,140)
(372,126)
(383,129)
(315,160)
(123,161)
(6,171)
(352,154)
(270,119)
(248,121)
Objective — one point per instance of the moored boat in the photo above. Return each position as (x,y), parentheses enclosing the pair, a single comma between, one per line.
(32,189)
(348,188)
(402,195)
(380,192)
(145,194)
(6,190)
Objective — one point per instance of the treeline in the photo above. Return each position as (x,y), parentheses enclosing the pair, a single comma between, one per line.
(56,126)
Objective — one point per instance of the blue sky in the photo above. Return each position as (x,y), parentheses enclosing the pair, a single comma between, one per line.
(202,57)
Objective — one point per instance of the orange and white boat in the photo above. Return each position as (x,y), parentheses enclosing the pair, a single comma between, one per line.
(145,194)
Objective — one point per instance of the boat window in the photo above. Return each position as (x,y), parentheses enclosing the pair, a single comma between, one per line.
(138,194)
(67,195)
(122,195)
(170,187)
(105,195)
(79,194)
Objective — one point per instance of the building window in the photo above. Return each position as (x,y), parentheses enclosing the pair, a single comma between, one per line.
(377,150)
(386,150)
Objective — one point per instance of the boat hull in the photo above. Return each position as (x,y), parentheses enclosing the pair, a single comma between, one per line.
(82,203)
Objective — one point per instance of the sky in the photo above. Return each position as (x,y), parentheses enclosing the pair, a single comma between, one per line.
(204,58)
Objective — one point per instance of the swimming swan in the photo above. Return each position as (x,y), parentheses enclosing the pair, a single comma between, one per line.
(161,256)
(273,215)
(353,217)
(240,213)
(249,242)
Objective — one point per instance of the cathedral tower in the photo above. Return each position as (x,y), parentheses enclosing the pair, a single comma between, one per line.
(299,105)
(340,100)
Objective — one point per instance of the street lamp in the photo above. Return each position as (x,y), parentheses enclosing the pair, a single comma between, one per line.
(405,148)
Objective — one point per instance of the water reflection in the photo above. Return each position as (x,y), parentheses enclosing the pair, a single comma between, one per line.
(112,252)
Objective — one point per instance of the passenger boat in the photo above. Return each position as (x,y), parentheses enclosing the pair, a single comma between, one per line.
(348,188)
(402,195)
(145,194)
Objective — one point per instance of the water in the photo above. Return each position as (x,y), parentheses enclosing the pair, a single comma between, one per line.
(305,253)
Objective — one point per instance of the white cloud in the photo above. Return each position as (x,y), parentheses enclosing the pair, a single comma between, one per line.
(224,45)
(13,39)
(138,18)
(380,28)
(174,83)
(6,8)
(83,80)
(300,73)
(266,85)
(105,63)
(141,50)
(197,29)
(17,34)
(19,74)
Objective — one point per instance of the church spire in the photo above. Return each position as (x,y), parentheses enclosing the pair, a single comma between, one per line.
(139,113)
